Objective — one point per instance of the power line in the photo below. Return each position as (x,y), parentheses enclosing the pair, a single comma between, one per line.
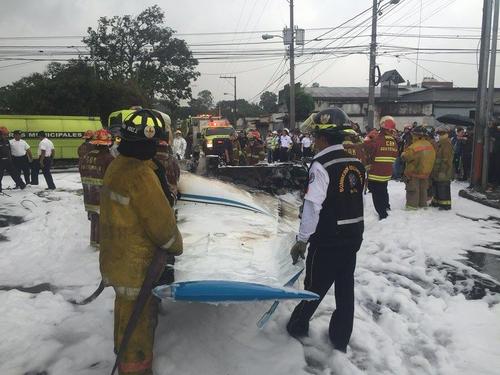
(341,25)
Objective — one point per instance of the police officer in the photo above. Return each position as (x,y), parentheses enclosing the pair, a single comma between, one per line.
(21,155)
(6,163)
(332,223)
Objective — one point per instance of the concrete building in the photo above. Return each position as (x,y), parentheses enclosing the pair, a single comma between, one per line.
(406,103)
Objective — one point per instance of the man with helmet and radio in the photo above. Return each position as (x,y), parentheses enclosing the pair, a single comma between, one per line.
(382,153)
(419,158)
(138,231)
(92,167)
(332,224)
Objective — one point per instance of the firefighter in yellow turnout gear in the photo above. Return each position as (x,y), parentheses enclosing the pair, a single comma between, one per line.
(419,158)
(136,220)
(442,172)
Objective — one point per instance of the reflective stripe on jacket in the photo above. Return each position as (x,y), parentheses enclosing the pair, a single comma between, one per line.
(382,153)
(136,219)
(419,158)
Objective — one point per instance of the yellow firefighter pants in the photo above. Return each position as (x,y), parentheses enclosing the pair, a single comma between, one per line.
(138,357)
(416,193)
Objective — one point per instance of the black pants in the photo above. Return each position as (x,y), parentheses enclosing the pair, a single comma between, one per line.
(307,152)
(8,165)
(47,163)
(284,154)
(457,164)
(380,197)
(325,266)
(495,168)
(441,195)
(22,165)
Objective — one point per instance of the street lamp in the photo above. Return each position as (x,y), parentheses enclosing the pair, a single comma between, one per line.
(270,36)
(289,39)
(235,118)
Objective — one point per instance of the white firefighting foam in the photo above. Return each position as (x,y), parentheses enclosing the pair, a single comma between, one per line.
(409,319)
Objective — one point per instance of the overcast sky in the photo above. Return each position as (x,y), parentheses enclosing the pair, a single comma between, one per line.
(443,24)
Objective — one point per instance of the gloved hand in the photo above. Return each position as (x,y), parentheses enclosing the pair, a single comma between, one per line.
(299,249)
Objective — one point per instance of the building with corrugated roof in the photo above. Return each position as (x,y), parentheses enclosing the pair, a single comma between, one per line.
(406,103)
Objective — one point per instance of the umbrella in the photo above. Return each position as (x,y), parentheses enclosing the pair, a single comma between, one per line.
(457,120)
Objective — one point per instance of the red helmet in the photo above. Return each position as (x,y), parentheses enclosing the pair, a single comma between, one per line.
(102,137)
(89,134)
(4,130)
(387,122)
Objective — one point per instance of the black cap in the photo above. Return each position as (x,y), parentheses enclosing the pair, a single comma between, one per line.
(16,132)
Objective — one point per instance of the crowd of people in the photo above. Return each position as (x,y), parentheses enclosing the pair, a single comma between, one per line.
(137,172)
(16,158)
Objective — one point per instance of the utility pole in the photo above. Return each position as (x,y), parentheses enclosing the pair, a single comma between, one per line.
(491,96)
(481,104)
(235,107)
(291,109)
(373,53)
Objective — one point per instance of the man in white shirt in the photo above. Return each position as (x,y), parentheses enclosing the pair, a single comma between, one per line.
(306,146)
(332,225)
(46,154)
(21,155)
(285,145)
(179,146)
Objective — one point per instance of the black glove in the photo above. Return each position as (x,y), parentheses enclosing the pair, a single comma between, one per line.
(299,249)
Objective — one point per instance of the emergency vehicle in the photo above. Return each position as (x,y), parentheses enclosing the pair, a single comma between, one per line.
(64,131)
(215,135)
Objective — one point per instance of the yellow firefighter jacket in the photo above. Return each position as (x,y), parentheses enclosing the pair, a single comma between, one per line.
(443,167)
(136,218)
(419,158)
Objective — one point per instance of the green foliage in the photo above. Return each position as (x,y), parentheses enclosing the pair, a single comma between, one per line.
(142,49)
(202,104)
(304,103)
(269,102)
(244,108)
(69,89)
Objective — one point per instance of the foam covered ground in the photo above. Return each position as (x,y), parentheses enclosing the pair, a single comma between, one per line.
(421,307)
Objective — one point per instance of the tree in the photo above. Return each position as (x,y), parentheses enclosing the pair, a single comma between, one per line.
(245,109)
(269,102)
(206,98)
(143,50)
(203,104)
(304,103)
(69,89)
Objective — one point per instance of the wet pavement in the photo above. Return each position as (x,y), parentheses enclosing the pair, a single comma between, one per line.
(485,262)
(489,198)
(8,220)
(35,289)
